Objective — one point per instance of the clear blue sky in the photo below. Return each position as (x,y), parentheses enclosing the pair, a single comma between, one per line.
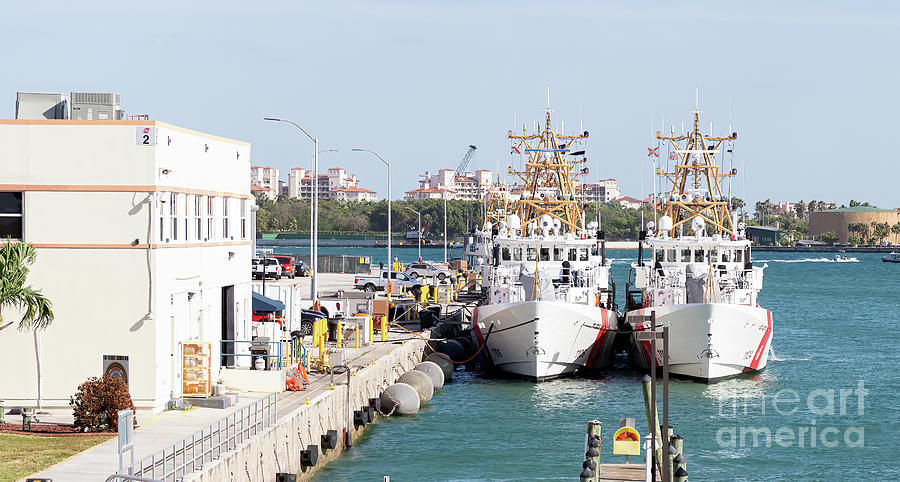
(812,86)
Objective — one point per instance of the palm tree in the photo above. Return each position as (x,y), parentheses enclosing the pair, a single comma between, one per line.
(15,257)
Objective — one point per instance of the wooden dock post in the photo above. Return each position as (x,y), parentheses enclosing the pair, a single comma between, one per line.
(595,444)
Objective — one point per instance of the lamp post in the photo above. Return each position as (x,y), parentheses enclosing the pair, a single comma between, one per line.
(419,231)
(314,252)
(388,164)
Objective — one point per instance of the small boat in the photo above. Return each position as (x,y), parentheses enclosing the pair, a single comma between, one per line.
(894,257)
(845,259)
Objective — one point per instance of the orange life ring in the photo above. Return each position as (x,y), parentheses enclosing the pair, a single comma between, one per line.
(302,372)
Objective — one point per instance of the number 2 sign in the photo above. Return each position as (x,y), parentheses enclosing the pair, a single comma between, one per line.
(146,136)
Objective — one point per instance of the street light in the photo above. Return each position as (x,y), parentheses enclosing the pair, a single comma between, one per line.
(419,231)
(314,252)
(388,164)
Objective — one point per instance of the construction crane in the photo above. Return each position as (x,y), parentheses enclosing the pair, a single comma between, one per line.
(460,170)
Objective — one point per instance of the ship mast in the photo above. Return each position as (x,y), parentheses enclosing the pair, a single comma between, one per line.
(697,180)
(550,177)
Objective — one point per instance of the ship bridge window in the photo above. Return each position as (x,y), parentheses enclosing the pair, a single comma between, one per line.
(685,255)
(558,254)
(582,254)
(545,254)
(714,256)
(505,253)
(658,256)
(726,255)
(698,256)
(670,255)
(517,253)
(531,254)
(573,254)
(738,255)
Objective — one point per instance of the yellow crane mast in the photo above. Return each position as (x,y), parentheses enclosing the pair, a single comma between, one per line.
(550,177)
(697,181)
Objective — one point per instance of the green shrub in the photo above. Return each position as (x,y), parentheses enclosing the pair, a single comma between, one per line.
(97,402)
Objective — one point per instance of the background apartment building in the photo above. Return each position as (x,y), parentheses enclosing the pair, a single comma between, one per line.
(138,247)
(336,184)
(265,181)
(467,186)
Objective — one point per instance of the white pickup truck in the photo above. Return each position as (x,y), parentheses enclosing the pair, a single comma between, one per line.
(379,283)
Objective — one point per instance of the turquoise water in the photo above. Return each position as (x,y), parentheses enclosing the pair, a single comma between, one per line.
(835,327)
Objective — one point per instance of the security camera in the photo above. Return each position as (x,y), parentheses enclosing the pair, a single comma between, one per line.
(164,171)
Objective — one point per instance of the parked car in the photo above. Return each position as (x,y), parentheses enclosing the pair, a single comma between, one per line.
(379,283)
(427,270)
(287,266)
(266,268)
(301,269)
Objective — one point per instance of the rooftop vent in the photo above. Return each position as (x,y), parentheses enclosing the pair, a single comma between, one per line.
(96,106)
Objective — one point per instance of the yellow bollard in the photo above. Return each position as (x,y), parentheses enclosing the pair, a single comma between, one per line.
(371,322)
(340,335)
(384,329)
(435,288)
(356,327)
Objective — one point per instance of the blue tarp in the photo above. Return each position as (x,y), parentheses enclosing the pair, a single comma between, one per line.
(264,303)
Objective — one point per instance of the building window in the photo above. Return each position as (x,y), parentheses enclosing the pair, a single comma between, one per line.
(210,209)
(162,217)
(173,214)
(188,205)
(243,219)
(225,214)
(11,210)
(198,222)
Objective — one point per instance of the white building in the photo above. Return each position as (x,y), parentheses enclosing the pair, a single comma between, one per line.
(603,191)
(265,178)
(468,186)
(139,248)
(336,184)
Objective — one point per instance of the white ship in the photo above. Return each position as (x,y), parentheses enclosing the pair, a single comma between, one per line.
(549,309)
(702,284)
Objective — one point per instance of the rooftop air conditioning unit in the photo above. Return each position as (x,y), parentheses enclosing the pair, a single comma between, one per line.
(41,106)
(96,106)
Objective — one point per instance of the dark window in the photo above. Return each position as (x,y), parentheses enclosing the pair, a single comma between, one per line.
(10,203)
(11,215)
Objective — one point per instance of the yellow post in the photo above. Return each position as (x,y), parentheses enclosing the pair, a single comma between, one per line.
(357,335)
(384,328)
(435,288)
(448,295)
(371,329)
(340,335)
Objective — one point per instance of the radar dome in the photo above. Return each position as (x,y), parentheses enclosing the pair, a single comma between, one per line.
(665,223)
(514,222)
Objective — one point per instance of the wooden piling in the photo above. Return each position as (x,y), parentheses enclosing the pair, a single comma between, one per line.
(593,432)
(652,418)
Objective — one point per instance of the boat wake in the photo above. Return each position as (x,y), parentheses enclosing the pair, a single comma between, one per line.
(805,260)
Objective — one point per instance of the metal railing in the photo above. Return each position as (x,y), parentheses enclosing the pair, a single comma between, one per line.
(189,454)
(277,346)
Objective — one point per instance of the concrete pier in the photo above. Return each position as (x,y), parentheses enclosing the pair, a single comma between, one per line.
(300,425)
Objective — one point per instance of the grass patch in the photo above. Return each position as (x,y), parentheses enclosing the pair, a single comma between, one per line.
(22,455)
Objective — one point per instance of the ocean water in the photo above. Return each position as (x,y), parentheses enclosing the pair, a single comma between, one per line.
(830,397)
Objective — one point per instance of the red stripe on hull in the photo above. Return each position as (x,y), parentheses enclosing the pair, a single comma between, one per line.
(597,349)
(763,345)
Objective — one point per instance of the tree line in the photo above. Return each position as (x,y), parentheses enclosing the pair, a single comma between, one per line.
(291,215)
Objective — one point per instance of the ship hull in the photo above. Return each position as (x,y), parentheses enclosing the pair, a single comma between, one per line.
(708,342)
(542,340)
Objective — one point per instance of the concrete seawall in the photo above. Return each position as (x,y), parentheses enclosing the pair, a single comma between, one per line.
(278,448)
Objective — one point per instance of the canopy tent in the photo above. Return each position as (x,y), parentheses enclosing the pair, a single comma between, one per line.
(264,303)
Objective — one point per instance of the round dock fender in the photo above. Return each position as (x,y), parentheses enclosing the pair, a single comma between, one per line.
(445,365)
(453,349)
(400,399)
(421,382)
(434,372)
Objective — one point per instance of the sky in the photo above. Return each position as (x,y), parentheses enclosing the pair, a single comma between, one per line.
(812,88)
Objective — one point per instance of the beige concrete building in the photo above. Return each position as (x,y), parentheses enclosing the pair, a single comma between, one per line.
(838,221)
(139,248)
(265,179)
(470,186)
(336,184)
